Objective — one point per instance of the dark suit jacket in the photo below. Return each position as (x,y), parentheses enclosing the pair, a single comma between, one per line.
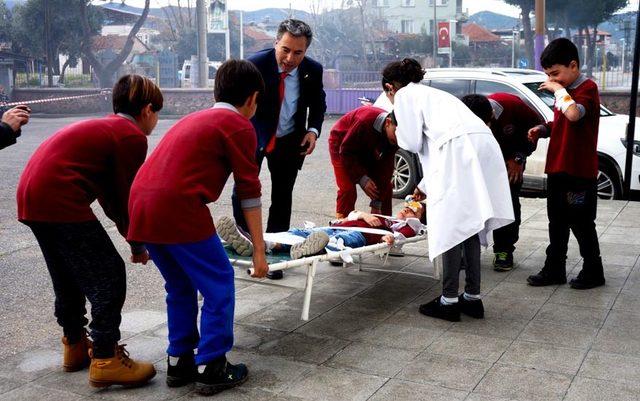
(312,98)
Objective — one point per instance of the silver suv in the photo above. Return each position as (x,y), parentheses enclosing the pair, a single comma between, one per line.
(524,84)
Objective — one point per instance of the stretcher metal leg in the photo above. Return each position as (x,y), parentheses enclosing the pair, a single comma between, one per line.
(311,272)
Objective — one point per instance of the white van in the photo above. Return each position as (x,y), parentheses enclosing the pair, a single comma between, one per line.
(185,74)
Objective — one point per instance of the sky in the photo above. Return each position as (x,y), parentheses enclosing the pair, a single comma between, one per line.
(473,6)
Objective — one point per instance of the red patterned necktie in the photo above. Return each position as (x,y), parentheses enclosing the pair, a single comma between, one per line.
(272,142)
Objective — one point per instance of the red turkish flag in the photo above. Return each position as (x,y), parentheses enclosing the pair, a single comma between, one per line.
(444,37)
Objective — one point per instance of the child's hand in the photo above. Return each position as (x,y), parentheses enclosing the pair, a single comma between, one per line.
(418,195)
(388,239)
(534,134)
(373,221)
(260,266)
(142,258)
(550,86)
(371,190)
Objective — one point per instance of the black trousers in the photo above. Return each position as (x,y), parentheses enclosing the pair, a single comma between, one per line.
(451,263)
(505,238)
(84,264)
(283,163)
(571,205)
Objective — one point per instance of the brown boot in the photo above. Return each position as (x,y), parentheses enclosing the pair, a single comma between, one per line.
(120,369)
(76,356)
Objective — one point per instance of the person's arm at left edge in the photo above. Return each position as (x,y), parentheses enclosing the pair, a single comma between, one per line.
(12,121)
(317,107)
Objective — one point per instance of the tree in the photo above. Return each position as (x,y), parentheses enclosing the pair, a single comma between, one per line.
(526,7)
(106,71)
(5,23)
(46,29)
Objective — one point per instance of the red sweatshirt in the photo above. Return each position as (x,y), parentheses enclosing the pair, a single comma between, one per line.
(85,161)
(573,145)
(188,170)
(386,224)
(361,148)
(511,126)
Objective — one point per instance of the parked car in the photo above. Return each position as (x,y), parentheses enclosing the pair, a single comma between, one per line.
(184,75)
(525,83)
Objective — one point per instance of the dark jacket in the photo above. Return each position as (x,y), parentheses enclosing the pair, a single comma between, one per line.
(312,97)
(7,135)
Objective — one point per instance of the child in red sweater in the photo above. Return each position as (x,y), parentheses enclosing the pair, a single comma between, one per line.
(572,167)
(85,161)
(169,213)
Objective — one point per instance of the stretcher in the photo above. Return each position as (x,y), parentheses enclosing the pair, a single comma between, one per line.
(346,257)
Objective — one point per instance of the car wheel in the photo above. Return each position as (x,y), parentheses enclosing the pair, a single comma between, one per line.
(608,183)
(405,174)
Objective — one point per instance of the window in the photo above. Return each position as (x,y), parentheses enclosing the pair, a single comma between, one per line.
(456,87)
(488,87)
(406,26)
(408,3)
(381,3)
(550,100)
(439,2)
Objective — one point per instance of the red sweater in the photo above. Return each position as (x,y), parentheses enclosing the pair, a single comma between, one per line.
(573,145)
(85,161)
(511,127)
(361,149)
(386,224)
(187,170)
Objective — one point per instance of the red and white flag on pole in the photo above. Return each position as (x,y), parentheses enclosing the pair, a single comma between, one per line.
(444,37)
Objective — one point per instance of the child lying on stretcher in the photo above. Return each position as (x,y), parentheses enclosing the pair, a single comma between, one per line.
(357,230)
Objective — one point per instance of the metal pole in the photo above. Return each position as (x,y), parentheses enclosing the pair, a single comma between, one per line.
(632,110)
(435,33)
(241,35)
(539,41)
(450,45)
(513,49)
(203,67)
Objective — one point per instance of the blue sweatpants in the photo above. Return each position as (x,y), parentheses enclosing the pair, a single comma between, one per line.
(188,268)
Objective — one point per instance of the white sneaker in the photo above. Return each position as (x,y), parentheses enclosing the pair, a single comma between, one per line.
(230,233)
(312,245)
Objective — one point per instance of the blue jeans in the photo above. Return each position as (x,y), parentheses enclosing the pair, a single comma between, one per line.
(352,239)
(188,269)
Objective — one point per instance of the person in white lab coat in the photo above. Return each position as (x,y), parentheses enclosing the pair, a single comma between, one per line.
(465,181)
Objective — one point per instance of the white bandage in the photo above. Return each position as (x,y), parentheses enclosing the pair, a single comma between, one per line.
(563,100)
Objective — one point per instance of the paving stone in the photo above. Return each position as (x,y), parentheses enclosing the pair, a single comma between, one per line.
(320,302)
(602,297)
(510,308)
(7,385)
(142,320)
(618,340)
(250,337)
(400,336)
(325,383)
(368,308)
(611,367)
(520,383)
(563,335)
(578,315)
(277,317)
(398,390)
(269,373)
(584,388)
(445,370)
(305,348)
(147,348)
(489,327)
(543,357)
(522,291)
(30,365)
(255,298)
(337,325)
(623,318)
(340,286)
(34,392)
(628,301)
(372,359)
(234,394)
(411,317)
(486,397)
(469,346)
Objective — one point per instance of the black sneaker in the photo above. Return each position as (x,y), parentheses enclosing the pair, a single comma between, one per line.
(220,375)
(275,275)
(183,373)
(440,311)
(544,278)
(584,282)
(474,308)
(503,261)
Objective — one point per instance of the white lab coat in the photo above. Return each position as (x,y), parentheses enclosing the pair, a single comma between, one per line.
(465,178)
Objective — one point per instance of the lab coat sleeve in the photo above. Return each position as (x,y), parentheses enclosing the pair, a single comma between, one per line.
(410,121)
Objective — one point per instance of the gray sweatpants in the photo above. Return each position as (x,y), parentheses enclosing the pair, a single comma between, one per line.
(451,261)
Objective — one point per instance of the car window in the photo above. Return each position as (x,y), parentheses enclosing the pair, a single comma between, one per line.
(456,87)
(490,87)
(550,100)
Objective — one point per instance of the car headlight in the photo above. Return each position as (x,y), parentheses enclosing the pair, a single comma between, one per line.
(636,146)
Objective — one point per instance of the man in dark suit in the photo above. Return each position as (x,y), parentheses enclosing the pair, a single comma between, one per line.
(289,118)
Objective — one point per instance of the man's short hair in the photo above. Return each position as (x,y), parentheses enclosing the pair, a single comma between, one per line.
(236,81)
(133,92)
(480,106)
(559,51)
(296,28)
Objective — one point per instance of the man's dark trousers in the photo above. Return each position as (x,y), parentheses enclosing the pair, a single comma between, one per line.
(283,163)
(571,205)
(505,238)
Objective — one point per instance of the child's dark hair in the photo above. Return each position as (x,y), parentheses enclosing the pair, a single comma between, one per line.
(392,117)
(402,73)
(559,51)
(480,106)
(133,92)
(235,81)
